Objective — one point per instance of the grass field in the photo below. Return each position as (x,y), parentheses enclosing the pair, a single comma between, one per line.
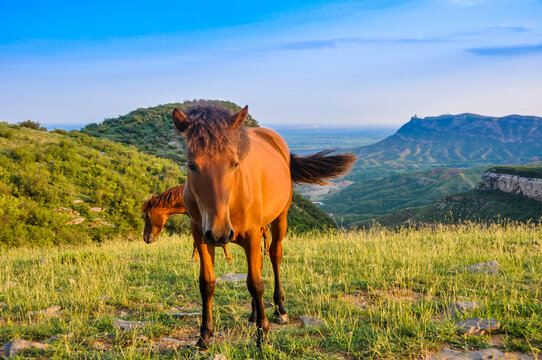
(381,295)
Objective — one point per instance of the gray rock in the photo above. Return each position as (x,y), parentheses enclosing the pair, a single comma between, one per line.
(484,354)
(122,314)
(477,326)
(218,357)
(487,354)
(129,325)
(489,267)
(169,343)
(15,346)
(181,315)
(448,354)
(105,297)
(231,278)
(311,322)
(460,307)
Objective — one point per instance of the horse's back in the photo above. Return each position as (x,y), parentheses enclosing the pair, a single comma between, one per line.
(265,184)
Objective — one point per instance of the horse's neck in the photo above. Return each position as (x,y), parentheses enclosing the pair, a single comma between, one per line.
(177,208)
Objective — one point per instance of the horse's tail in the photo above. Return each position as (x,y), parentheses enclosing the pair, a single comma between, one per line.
(317,168)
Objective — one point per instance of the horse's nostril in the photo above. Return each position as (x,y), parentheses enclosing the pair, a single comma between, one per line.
(209,237)
(232,234)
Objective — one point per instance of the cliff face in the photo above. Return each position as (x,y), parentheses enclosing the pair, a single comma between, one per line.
(514,184)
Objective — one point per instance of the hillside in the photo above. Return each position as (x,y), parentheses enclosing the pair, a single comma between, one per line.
(59,187)
(368,199)
(151,131)
(463,140)
(473,205)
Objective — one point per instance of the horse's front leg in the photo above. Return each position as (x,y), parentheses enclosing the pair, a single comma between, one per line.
(253,251)
(207,288)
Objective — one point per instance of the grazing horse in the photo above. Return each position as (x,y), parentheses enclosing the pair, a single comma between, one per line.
(239,180)
(158,209)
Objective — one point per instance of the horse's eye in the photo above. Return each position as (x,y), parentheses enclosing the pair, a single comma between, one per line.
(192,167)
(236,165)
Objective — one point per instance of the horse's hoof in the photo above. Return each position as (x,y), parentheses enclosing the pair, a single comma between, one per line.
(282,319)
(201,345)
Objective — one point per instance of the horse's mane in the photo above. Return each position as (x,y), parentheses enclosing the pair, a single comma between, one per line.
(167,199)
(210,129)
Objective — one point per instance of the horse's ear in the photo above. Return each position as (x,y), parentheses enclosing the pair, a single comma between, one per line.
(180,120)
(239,118)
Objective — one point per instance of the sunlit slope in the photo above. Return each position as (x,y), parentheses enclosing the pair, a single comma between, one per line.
(58,187)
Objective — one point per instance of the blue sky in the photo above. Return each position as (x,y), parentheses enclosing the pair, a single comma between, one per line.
(355,63)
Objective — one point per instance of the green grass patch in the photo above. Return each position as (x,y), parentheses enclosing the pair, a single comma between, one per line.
(380,293)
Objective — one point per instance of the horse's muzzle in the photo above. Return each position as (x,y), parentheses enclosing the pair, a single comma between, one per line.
(149,239)
(210,238)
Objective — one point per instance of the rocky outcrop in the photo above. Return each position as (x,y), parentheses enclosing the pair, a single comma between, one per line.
(515,184)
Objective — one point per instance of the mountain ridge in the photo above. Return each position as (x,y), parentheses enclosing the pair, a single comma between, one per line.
(463,140)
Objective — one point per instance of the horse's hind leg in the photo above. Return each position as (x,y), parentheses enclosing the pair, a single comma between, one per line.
(278,230)
(265,233)
(255,284)
(195,254)
(227,253)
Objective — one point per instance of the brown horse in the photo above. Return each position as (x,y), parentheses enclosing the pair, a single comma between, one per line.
(239,180)
(158,209)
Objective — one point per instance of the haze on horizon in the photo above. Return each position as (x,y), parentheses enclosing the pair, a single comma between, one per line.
(313,63)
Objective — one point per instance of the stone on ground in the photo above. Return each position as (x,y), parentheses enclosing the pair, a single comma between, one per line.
(311,322)
(181,315)
(232,278)
(447,354)
(15,346)
(489,267)
(484,354)
(477,326)
(460,307)
(169,343)
(129,325)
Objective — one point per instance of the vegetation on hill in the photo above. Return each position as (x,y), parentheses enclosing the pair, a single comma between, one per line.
(464,140)
(151,130)
(368,199)
(58,187)
(473,205)
(523,171)
(381,294)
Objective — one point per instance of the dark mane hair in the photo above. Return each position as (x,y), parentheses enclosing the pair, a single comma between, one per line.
(168,198)
(210,130)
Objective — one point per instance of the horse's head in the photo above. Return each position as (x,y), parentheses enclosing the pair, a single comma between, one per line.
(216,143)
(155,219)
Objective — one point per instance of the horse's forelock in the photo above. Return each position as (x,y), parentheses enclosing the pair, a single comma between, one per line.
(210,130)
